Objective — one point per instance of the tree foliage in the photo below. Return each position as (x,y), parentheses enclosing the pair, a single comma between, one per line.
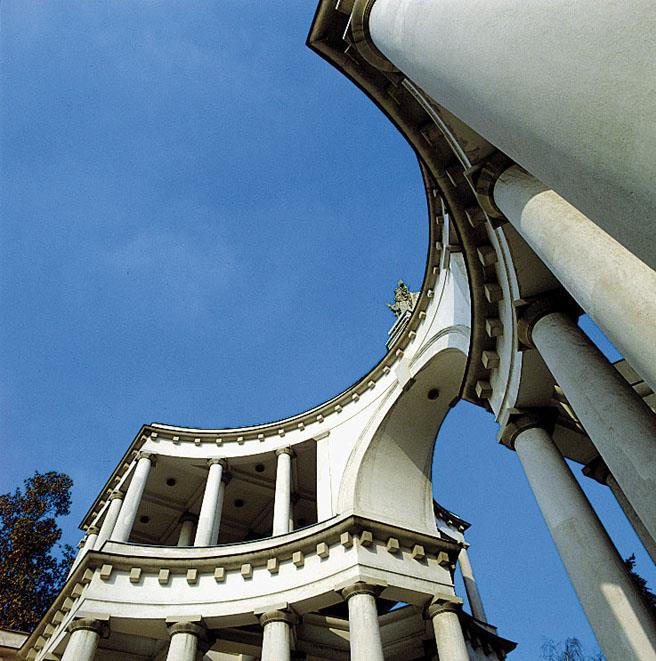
(570,650)
(33,565)
(641,583)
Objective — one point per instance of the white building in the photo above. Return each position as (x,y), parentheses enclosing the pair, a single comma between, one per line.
(316,536)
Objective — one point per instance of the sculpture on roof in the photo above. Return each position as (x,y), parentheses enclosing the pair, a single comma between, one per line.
(404,299)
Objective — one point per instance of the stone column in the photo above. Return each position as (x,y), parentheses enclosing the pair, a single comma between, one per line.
(622,624)
(563,123)
(276,641)
(449,638)
(597,470)
(610,283)
(87,544)
(619,423)
(209,519)
(473,595)
(184,641)
(282,502)
(364,631)
(187,526)
(132,500)
(111,517)
(82,644)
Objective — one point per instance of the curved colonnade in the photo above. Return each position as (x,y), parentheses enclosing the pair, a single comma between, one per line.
(302,537)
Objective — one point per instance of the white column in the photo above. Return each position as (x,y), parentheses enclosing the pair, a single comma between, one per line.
(473,595)
(324,486)
(132,500)
(209,519)
(87,544)
(82,644)
(647,540)
(542,83)
(187,526)
(184,641)
(282,502)
(610,283)
(276,639)
(364,630)
(111,517)
(619,423)
(622,624)
(449,638)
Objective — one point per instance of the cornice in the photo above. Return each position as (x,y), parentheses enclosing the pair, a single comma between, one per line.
(348,531)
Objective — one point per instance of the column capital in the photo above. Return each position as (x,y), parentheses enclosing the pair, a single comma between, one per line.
(443,603)
(288,451)
(538,308)
(217,460)
(92,530)
(116,495)
(597,470)
(489,174)
(143,454)
(277,616)
(360,588)
(186,627)
(361,37)
(89,624)
(519,423)
(188,516)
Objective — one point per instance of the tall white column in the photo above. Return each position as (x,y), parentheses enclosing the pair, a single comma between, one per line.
(187,527)
(364,630)
(209,519)
(619,423)
(282,502)
(544,94)
(184,641)
(111,517)
(473,595)
(610,283)
(132,500)
(449,638)
(622,624)
(276,639)
(85,635)
(87,545)
(647,540)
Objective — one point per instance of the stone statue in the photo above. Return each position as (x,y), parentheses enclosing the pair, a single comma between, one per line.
(404,300)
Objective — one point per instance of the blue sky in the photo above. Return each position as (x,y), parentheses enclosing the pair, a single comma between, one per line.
(201,224)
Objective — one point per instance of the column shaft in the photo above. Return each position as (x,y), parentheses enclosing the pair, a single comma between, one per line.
(473,595)
(186,535)
(282,502)
(647,540)
(83,642)
(364,630)
(89,542)
(183,647)
(610,283)
(128,514)
(111,517)
(449,638)
(615,610)
(619,423)
(209,519)
(574,140)
(276,639)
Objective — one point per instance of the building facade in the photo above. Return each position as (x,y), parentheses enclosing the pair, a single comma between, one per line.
(317,536)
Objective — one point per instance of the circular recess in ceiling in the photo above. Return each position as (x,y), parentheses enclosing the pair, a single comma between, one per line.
(433,393)
(171,481)
(239,502)
(144,519)
(259,468)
